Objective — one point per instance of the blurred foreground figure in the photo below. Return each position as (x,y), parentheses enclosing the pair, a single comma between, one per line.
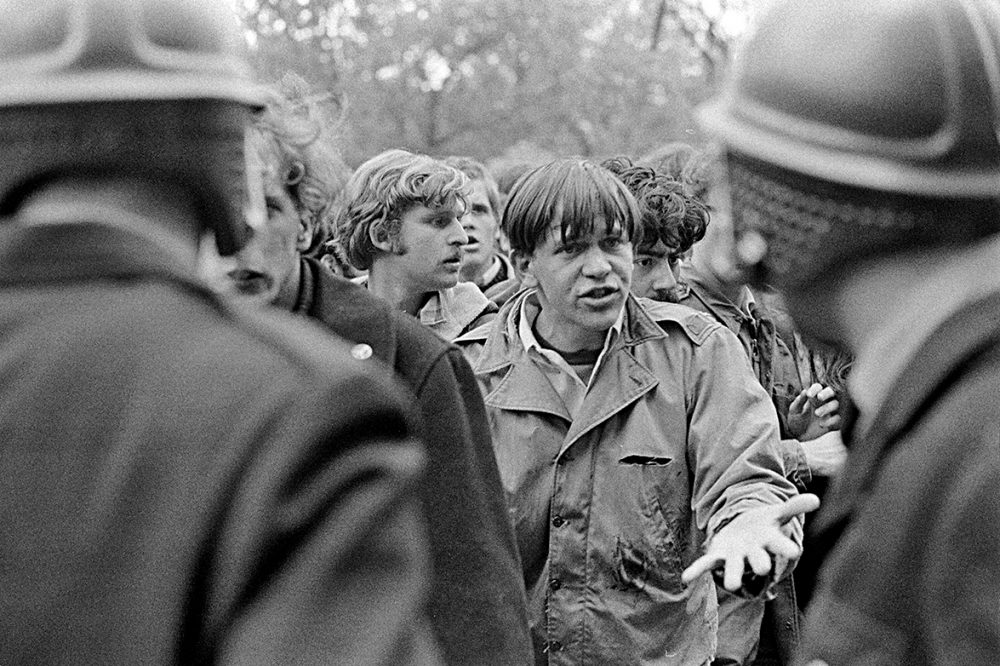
(477,601)
(177,488)
(864,167)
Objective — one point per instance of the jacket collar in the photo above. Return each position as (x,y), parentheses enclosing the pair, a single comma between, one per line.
(450,311)
(731,315)
(621,381)
(83,251)
(966,334)
(355,313)
(501,340)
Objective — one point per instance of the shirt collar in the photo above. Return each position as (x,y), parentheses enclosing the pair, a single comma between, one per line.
(448,312)
(462,303)
(492,272)
(529,312)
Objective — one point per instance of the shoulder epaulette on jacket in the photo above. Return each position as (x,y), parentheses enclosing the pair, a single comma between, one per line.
(696,325)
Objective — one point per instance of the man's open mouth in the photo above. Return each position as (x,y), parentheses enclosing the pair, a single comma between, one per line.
(250,282)
(600,295)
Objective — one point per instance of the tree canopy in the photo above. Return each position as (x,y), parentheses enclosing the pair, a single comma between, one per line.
(488,77)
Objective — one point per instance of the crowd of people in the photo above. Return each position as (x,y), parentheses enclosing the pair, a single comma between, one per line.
(263,408)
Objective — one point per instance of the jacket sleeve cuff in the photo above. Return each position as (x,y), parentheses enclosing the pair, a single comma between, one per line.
(794,458)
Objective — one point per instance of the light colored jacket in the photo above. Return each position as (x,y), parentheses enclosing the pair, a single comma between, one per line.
(675,437)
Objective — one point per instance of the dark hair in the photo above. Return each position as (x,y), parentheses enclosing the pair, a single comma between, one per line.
(683,162)
(669,213)
(572,193)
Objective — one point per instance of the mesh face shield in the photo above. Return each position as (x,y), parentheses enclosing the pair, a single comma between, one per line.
(861,127)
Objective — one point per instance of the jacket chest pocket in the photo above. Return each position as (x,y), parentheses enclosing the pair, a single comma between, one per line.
(656,485)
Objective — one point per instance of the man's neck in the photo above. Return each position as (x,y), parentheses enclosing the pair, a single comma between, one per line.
(556,336)
(288,296)
(474,272)
(891,305)
(483,273)
(395,289)
(877,291)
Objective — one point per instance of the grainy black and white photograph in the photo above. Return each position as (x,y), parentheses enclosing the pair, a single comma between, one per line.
(500,332)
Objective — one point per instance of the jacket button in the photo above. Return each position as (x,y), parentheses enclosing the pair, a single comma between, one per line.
(361,351)
(558,521)
(555,583)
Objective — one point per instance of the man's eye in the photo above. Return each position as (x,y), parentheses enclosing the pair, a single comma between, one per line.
(644,262)
(612,242)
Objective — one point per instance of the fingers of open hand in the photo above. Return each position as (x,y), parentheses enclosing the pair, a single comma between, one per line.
(751,538)
(795,506)
(759,561)
(782,546)
(698,567)
(733,578)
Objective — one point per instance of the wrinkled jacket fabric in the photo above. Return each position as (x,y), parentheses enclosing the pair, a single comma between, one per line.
(477,603)
(610,508)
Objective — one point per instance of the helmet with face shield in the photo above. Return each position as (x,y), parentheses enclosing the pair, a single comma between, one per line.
(154,88)
(859,128)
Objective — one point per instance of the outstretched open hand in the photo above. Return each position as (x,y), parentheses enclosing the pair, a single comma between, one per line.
(752,538)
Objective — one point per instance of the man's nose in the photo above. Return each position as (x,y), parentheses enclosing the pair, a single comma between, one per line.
(457,234)
(664,278)
(596,262)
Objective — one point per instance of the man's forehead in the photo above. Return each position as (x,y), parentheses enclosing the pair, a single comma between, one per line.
(477,192)
(596,228)
(419,209)
(659,249)
(265,159)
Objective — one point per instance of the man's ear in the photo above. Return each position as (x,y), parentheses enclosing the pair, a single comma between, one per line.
(379,236)
(523,268)
(305,235)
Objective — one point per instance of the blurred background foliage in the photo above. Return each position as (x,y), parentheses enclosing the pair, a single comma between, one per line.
(502,79)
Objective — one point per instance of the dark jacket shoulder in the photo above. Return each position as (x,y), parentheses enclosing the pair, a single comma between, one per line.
(477,601)
(350,311)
